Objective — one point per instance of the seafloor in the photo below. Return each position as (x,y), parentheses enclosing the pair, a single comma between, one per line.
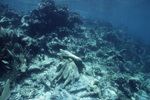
(55,54)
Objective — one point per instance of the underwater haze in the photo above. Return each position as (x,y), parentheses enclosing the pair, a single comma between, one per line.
(133,15)
(74,50)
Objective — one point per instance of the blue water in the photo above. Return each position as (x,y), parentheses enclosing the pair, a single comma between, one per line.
(134,15)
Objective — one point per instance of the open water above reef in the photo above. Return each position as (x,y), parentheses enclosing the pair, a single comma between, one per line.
(53,53)
(132,15)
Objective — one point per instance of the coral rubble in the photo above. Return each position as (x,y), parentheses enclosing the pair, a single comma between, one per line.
(51,55)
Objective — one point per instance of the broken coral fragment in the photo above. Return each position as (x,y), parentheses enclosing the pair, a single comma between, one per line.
(68,71)
(6,91)
(78,61)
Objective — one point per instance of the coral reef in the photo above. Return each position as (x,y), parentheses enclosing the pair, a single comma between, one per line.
(9,18)
(50,55)
(48,17)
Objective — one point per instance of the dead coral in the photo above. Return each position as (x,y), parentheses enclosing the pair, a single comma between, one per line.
(93,89)
(78,61)
(68,71)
